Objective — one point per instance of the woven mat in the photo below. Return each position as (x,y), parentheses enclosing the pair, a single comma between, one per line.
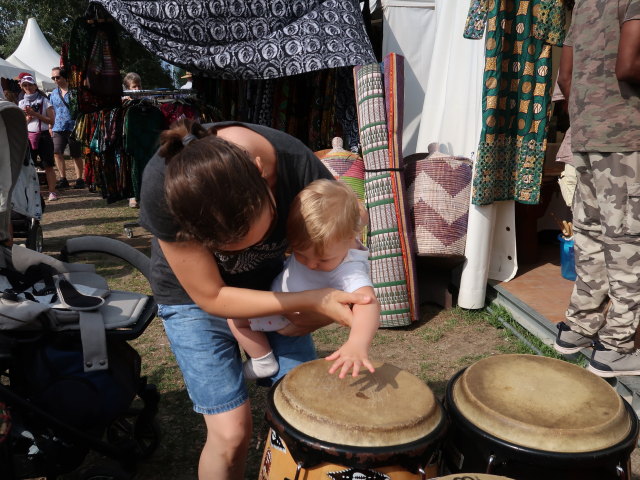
(390,243)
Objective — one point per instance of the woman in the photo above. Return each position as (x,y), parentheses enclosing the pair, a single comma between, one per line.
(217,208)
(40,116)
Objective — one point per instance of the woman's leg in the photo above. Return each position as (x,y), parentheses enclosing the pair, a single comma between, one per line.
(225,451)
(209,358)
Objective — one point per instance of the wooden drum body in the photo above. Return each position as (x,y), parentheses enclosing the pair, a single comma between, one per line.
(385,425)
(531,417)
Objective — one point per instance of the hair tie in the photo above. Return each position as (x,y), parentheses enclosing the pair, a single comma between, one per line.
(187,139)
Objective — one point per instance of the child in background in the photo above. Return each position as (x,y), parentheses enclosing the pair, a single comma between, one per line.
(322,229)
(132,81)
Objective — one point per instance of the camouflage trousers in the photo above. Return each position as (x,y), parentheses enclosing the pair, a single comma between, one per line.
(606,218)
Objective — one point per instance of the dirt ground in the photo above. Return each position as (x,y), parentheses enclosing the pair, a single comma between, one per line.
(434,349)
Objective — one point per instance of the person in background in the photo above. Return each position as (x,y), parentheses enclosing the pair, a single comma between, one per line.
(189,77)
(600,75)
(132,82)
(63,131)
(10,96)
(216,199)
(324,222)
(40,116)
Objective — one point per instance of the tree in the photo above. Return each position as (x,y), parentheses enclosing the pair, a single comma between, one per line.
(56,17)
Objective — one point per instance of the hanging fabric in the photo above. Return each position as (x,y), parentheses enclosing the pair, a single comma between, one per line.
(516,97)
(244,39)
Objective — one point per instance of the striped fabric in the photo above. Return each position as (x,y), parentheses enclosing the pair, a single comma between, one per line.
(390,243)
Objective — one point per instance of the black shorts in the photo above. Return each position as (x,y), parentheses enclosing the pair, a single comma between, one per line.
(60,141)
(44,151)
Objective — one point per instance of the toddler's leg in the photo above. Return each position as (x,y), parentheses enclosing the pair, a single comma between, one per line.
(261,362)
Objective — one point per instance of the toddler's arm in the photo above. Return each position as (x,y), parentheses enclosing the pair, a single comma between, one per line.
(355,352)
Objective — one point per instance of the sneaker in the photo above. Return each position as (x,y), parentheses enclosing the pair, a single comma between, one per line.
(53,197)
(568,341)
(79,184)
(62,183)
(133,203)
(611,363)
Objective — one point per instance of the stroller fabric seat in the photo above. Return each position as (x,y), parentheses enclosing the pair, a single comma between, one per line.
(30,301)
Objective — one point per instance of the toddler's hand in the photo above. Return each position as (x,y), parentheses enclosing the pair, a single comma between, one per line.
(349,357)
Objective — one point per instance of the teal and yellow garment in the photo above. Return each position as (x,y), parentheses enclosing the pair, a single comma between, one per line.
(516,99)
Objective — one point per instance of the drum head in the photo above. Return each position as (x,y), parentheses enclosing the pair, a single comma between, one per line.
(385,408)
(541,403)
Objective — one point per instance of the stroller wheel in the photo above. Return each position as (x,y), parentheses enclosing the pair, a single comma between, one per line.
(141,434)
(105,472)
(35,238)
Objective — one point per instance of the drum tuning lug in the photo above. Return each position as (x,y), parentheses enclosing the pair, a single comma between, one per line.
(298,470)
(492,460)
(621,472)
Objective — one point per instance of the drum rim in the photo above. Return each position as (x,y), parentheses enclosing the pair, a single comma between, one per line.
(628,442)
(351,455)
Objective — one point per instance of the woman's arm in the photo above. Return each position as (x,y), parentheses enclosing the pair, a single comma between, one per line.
(49,118)
(198,273)
(354,354)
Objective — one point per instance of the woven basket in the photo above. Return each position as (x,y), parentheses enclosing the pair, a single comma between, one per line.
(347,167)
(439,189)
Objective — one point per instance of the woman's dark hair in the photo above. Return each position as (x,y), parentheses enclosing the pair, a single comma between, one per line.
(213,188)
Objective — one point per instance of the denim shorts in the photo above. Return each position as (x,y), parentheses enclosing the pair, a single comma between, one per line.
(209,357)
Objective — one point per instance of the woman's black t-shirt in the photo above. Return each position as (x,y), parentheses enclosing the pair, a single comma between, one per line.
(254,268)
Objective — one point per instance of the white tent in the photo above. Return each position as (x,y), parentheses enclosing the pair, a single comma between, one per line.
(8,70)
(34,53)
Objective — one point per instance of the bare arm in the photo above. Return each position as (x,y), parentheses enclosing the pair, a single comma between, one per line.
(198,273)
(49,118)
(354,354)
(565,71)
(628,60)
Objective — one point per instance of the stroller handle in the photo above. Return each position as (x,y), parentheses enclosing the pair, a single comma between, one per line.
(99,244)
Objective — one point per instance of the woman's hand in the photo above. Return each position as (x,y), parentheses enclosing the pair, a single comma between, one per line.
(336,304)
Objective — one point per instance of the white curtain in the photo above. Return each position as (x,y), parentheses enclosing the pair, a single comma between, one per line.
(451,116)
(409,29)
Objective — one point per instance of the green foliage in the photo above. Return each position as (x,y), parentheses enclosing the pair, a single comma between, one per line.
(56,17)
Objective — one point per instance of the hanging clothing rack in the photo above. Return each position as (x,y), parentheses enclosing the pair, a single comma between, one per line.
(186,92)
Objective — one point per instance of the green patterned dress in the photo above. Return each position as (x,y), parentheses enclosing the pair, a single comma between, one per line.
(516,98)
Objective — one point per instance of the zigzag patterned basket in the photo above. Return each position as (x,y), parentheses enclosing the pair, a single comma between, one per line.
(439,190)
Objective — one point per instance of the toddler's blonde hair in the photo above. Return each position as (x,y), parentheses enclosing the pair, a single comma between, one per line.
(325,211)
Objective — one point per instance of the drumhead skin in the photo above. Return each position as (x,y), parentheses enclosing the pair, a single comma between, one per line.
(541,403)
(385,408)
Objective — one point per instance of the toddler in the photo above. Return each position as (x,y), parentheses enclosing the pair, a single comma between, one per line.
(323,225)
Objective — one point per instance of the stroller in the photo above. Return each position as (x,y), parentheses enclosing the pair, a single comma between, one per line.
(70,383)
(27,204)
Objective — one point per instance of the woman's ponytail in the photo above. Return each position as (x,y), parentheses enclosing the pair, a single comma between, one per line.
(179,135)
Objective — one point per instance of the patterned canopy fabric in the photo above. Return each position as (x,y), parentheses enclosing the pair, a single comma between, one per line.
(247,39)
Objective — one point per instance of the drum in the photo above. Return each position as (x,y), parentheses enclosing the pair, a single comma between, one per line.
(382,425)
(531,417)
